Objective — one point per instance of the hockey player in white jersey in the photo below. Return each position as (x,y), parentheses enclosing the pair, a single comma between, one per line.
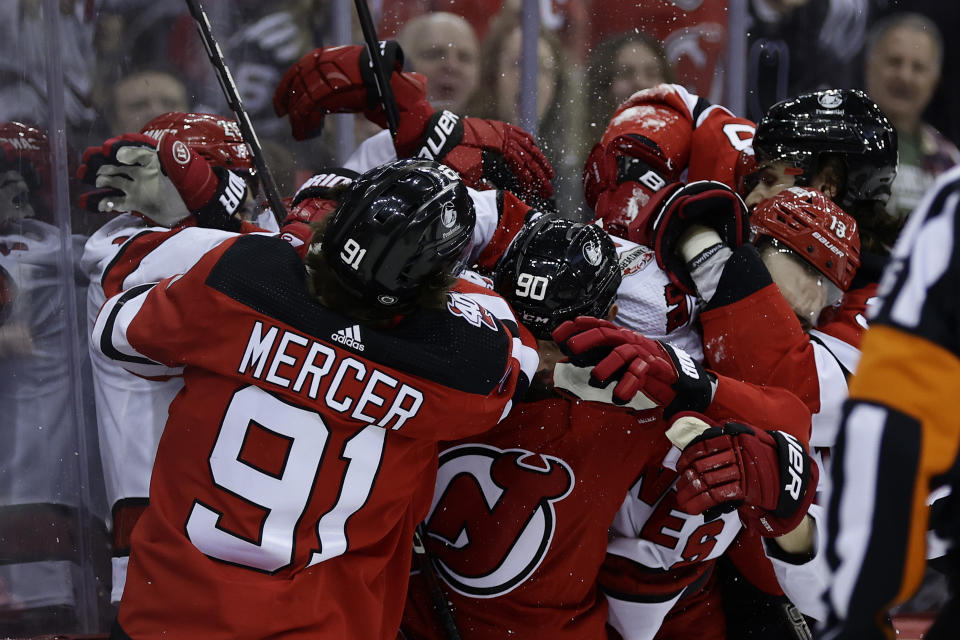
(130,181)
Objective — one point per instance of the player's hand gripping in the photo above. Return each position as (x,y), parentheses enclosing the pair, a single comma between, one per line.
(165,183)
(341,80)
(665,375)
(710,208)
(767,475)
(126,171)
(486,153)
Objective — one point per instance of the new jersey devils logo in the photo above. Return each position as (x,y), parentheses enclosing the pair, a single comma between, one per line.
(493,518)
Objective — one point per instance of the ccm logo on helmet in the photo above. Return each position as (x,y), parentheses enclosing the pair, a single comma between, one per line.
(180,152)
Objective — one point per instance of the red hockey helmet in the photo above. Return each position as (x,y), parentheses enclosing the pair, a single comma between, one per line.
(815,228)
(26,149)
(214,137)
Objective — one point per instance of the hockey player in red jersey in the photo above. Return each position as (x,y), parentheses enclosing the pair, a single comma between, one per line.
(301,452)
(518,524)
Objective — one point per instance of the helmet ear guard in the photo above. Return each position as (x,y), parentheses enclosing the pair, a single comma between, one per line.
(557,269)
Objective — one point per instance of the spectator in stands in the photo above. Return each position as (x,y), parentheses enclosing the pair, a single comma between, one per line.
(142,95)
(443,47)
(500,73)
(904,55)
(619,67)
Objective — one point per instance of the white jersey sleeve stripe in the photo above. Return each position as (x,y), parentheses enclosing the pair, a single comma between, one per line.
(110,337)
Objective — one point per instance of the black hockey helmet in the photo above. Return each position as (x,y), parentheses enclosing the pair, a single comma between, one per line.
(843,122)
(557,269)
(398,227)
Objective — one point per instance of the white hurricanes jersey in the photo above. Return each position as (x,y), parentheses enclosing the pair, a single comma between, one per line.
(40,449)
(132,411)
(650,304)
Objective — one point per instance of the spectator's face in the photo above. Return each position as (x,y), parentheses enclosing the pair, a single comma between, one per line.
(636,68)
(902,73)
(446,52)
(139,98)
(508,78)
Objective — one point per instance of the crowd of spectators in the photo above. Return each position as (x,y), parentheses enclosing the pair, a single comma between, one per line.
(123,62)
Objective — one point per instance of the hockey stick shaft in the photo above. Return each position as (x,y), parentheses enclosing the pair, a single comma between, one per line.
(232,96)
(376,60)
(439,598)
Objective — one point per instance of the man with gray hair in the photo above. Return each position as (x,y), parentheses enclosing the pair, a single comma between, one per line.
(903,59)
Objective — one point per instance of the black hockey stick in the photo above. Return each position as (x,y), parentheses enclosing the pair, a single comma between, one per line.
(424,561)
(437,596)
(232,96)
(376,60)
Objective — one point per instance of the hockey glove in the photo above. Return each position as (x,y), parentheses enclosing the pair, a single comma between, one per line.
(486,153)
(316,199)
(341,80)
(624,180)
(767,475)
(668,376)
(705,203)
(126,171)
(213,195)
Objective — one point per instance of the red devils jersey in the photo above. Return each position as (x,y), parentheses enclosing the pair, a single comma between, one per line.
(302,450)
(518,524)
(758,339)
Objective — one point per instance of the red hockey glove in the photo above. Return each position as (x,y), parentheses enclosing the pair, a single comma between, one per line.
(320,194)
(707,203)
(623,181)
(486,153)
(127,173)
(341,80)
(767,475)
(213,195)
(663,373)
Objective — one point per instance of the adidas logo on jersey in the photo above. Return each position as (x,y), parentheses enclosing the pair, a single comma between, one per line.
(349,337)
